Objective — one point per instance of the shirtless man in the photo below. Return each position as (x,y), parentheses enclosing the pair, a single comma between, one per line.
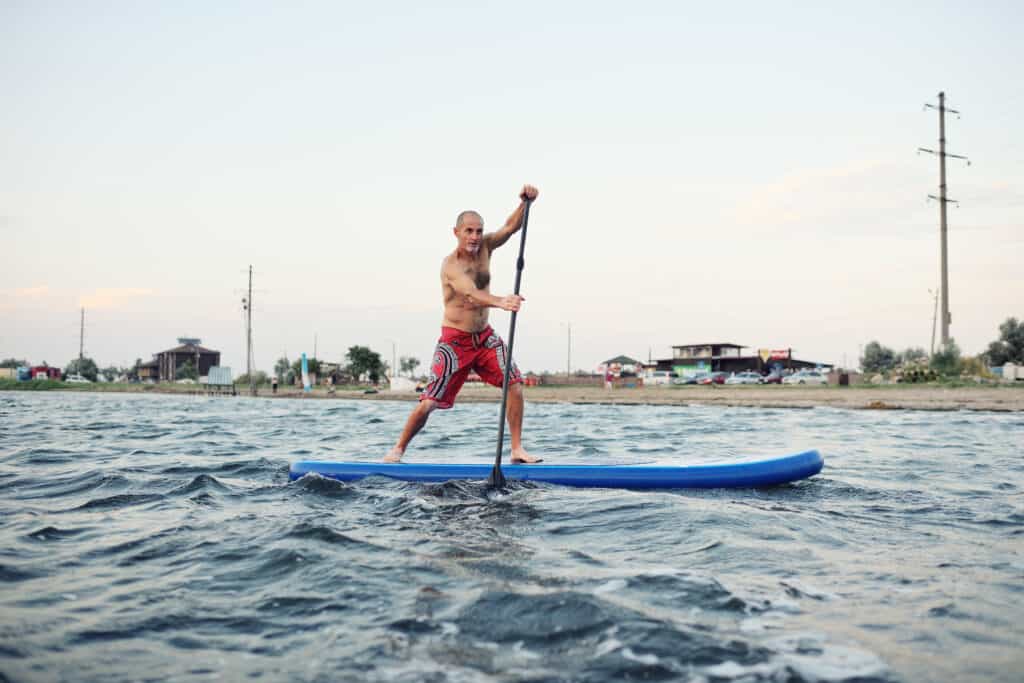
(467,342)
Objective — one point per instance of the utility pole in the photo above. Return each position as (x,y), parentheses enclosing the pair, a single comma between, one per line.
(81,343)
(247,306)
(935,316)
(947,318)
(568,354)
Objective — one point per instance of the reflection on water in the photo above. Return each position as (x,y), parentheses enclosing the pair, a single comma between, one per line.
(158,537)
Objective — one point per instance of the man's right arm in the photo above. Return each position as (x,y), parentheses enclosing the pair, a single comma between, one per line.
(464,286)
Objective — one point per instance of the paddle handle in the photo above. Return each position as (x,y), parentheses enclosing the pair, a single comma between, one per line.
(497,479)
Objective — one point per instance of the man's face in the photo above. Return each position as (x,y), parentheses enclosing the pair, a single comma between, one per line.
(470,235)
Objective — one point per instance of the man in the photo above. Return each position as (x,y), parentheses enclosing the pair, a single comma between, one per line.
(467,341)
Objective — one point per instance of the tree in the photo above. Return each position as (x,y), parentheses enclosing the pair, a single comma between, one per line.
(111,373)
(86,368)
(259,376)
(409,364)
(912,355)
(133,372)
(361,360)
(1009,348)
(186,371)
(877,358)
(281,368)
(947,360)
(311,363)
(13,363)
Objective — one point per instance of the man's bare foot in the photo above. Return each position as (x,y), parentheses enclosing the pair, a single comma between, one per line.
(521,457)
(394,455)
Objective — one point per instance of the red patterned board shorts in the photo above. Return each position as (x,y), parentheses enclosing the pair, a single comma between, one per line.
(457,353)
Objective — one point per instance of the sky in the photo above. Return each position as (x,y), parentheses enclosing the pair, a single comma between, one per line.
(708,172)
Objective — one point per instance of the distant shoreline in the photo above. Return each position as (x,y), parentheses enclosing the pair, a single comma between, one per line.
(999,398)
(894,397)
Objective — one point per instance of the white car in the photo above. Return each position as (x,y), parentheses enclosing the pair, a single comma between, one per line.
(748,377)
(657,377)
(806,377)
(76,379)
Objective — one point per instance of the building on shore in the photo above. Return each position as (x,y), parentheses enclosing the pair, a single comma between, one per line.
(621,365)
(166,364)
(689,359)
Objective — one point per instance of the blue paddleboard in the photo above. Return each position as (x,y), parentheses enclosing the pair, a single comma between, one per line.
(744,473)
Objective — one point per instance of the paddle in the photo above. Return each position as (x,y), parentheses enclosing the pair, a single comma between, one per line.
(497,479)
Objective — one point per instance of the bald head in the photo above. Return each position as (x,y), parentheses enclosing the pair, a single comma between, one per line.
(465,216)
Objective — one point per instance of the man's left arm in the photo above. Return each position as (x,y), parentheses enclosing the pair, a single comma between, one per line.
(513,222)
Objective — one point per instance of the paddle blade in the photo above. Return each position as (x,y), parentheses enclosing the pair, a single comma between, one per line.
(497,478)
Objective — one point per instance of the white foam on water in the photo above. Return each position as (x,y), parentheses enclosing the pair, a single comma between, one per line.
(648,659)
(815,659)
(731,669)
(606,647)
(837,663)
(612,586)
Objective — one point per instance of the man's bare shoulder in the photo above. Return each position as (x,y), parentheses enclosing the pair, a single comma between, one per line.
(449,265)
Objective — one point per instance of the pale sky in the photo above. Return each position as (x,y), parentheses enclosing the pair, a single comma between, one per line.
(745,173)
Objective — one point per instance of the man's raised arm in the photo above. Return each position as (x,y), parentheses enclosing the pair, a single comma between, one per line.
(512,223)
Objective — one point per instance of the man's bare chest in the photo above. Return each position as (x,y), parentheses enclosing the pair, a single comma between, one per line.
(481,278)
(479,271)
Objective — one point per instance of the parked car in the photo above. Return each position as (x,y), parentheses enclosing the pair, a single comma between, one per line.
(689,379)
(772,378)
(660,377)
(747,377)
(713,378)
(76,379)
(806,377)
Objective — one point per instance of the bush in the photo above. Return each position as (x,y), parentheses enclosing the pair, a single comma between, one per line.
(187,371)
(975,366)
(947,361)
(260,377)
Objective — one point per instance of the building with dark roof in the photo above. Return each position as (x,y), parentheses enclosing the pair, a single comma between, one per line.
(689,359)
(165,365)
(620,365)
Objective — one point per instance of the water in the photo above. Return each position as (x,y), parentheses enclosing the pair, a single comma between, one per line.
(158,538)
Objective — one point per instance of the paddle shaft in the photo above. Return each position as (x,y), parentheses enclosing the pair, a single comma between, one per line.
(497,479)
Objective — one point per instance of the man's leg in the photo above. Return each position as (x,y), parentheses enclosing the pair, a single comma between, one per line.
(514,412)
(417,418)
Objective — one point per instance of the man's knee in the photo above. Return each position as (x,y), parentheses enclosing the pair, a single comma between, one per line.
(426,407)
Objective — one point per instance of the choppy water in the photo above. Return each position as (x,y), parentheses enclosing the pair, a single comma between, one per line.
(158,538)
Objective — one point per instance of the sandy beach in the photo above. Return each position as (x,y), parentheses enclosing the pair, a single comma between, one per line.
(993,397)
(1006,398)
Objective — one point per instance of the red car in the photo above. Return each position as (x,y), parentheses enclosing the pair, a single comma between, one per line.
(773,378)
(713,378)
